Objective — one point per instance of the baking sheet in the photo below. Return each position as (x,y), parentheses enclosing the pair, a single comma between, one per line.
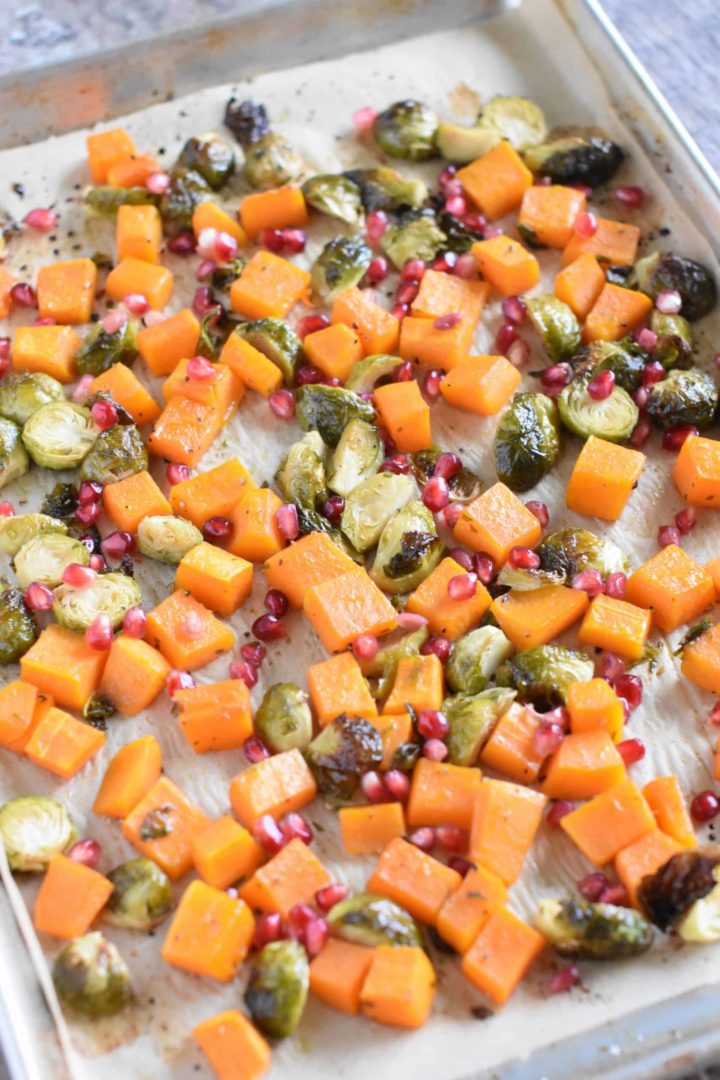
(532,52)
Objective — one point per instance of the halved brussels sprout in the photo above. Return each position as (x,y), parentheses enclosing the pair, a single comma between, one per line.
(461,144)
(45,557)
(701,924)
(408,550)
(683,397)
(384,663)
(340,265)
(187,190)
(276,340)
(522,580)
(91,976)
(672,349)
(248,120)
(23,392)
(104,199)
(591,931)
(669,895)
(527,441)
(311,521)
(277,988)
(141,897)
(370,506)
(17,627)
(464,486)
(117,453)
(368,919)
(110,594)
(367,372)
(283,719)
(675,325)
(301,475)
(345,749)
(472,718)
(612,418)
(336,196)
(59,435)
(696,285)
(16,531)
(556,324)
(167,538)
(407,130)
(459,237)
(210,156)
(518,120)
(406,757)
(357,456)
(329,409)
(14,461)
(542,675)
(569,551)
(271,162)
(33,828)
(386,189)
(624,358)
(101,349)
(575,155)
(416,235)
(475,658)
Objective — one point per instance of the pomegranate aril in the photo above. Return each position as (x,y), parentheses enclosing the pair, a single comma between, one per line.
(310,324)
(451,838)
(117,544)
(437,646)
(629,195)
(616,585)
(434,750)
(641,396)
(456,205)
(592,885)
(364,119)
(705,806)
(564,979)
(653,372)
(588,581)
(631,750)
(462,586)
(378,269)
(466,267)
(641,432)
(431,384)
(307,375)
(400,311)
(555,376)
(176,474)
(410,621)
(89,491)
(373,787)
(558,811)
(268,927)
(268,628)
(247,673)
(668,302)
(178,680)
(202,300)
(413,270)
(316,935)
(514,310)
(200,369)
(463,557)
(714,715)
(268,834)
(23,295)
(255,750)
(331,895)
(450,515)
(276,602)
(423,838)
(365,646)
(272,239)
(396,463)
(484,567)
(253,652)
(436,494)
(685,520)
(505,337)
(226,247)
(299,916)
(646,338)
(41,220)
(38,597)
(445,264)
(288,522)
(97,562)
(601,386)
(216,528)
(333,509)
(295,827)
(586,224)
(89,513)
(158,183)
(78,576)
(282,403)
(135,622)
(183,244)
(104,415)
(447,176)
(432,724)
(397,784)
(523,558)
(668,534)
(403,372)
(478,223)
(629,687)
(7,509)
(674,438)
(540,510)
(615,894)
(547,738)
(294,240)
(99,634)
(407,292)
(376,225)
(460,866)
(447,322)
(87,852)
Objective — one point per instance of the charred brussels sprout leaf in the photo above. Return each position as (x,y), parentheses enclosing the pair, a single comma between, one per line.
(17,531)
(367,372)
(312,521)
(475,658)
(329,409)
(33,828)
(471,718)
(276,340)
(542,675)
(23,392)
(59,435)
(348,747)
(141,896)
(384,664)
(368,919)
(691,279)
(117,453)
(674,326)
(459,237)
(407,130)
(301,476)
(624,358)
(61,503)
(527,442)
(187,190)
(104,199)
(669,894)
(340,265)
(556,324)
(100,349)
(14,461)
(277,988)
(416,235)
(283,720)
(576,156)
(370,506)
(522,580)
(612,418)
(17,628)
(684,397)
(336,196)
(357,457)
(110,594)
(569,551)
(97,711)
(464,486)
(167,538)
(247,120)
(386,189)
(461,144)
(408,549)
(406,757)
(271,161)
(91,976)
(45,557)
(517,119)
(588,931)
(210,156)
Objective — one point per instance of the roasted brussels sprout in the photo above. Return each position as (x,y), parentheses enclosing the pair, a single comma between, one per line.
(283,719)
(683,397)
(141,896)
(271,162)
(407,130)
(675,325)
(312,521)
(370,506)
(386,189)
(406,757)
(517,119)
(471,718)
(17,628)
(247,120)
(523,580)
(336,196)
(590,931)
(167,538)
(16,531)
(416,235)
(345,749)
(23,392)
(691,279)
(59,435)
(575,155)
(383,665)
(527,441)
(210,156)
(408,550)
(556,324)
(569,551)
(674,345)
(368,919)
(101,349)
(669,895)
(97,710)
(624,358)
(33,828)
(61,503)
(45,557)
(459,237)
(110,594)
(701,921)
(340,265)
(14,461)
(357,457)
(464,486)
(104,199)
(276,340)
(367,372)
(187,190)
(277,988)
(475,658)
(612,418)
(301,475)
(461,144)
(91,976)
(117,453)
(329,409)
(542,675)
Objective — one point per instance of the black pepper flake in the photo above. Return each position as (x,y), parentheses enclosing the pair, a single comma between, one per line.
(19,190)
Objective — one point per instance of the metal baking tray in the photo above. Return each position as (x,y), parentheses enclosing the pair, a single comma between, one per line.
(665,1040)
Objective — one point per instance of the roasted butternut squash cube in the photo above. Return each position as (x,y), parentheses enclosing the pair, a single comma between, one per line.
(644,856)
(18,705)
(419,684)
(276,785)
(594,706)
(208,215)
(509,267)
(48,349)
(256,536)
(365,830)
(584,765)
(505,820)
(66,290)
(225,852)
(268,287)
(405,414)
(617,626)
(71,897)
(186,632)
(394,731)
(210,933)
(616,313)
(377,329)
(609,822)
(278,208)
(399,987)
(217,578)
(497,181)
(463,914)
(252,367)
(537,616)
(580,284)
(667,802)
(613,242)
(234,1048)
(697,471)
(603,478)
(127,502)
(422,343)
(215,493)
(216,716)
(223,392)
(447,617)
(447,294)
(309,561)
(338,686)
(501,955)
(61,744)
(442,794)
(104,149)
(138,233)
(548,213)
(164,344)
(673,586)
(341,609)
(413,879)
(134,675)
(334,350)
(338,972)
(133,275)
(62,665)
(510,750)
(481,384)
(126,390)
(700,660)
(496,522)
(185,430)
(293,876)
(162,827)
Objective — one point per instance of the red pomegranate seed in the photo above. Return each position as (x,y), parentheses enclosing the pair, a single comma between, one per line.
(311,324)
(254,653)
(547,738)
(559,715)
(554,376)
(592,885)
(226,247)
(451,838)
(436,494)
(316,935)
(135,622)
(268,628)
(413,270)
(714,716)
(5,345)
(646,338)
(333,509)
(327,898)
(400,311)
(276,602)
(668,302)
(641,432)
(437,646)
(558,811)
(445,264)
(87,852)
(136,303)
(246,672)
(38,597)
(432,724)
(89,513)
(183,244)
(200,369)
(299,917)
(202,300)
(631,750)
(365,646)
(540,510)
(456,205)
(272,239)
(178,680)
(476,222)
(462,586)
(176,474)
(89,492)
(514,310)
(376,225)
(373,787)
(206,246)
(523,558)
(616,585)
(629,687)
(447,176)
(611,666)
(364,119)
(397,784)
(630,195)
(407,292)
(519,353)
(307,375)
(447,322)
(288,522)
(686,520)
(97,562)
(99,634)
(216,528)
(78,576)
(615,894)
(506,335)
(588,581)
(378,270)
(586,224)
(641,396)
(268,834)
(158,183)
(466,267)
(668,534)
(431,384)
(41,220)
(410,621)
(463,557)
(117,544)
(423,838)
(294,240)
(674,438)
(255,750)
(705,806)
(295,827)
(268,927)
(22,295)
(460,866)
(450,515)
(104,415)
(484,567)
(435,750)
(7,509)
(282,403)
(653,372)
(396,463)
(601,386)
(403,372)
(564,979)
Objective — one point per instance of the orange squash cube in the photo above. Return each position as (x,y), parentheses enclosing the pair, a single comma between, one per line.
(509,267)
(510,750)
(365,830)
(696,472)
(133,275)
(613,242)
(133,676)
(496,522)
(215,493)
(481,384)
(255,534)
(66,290)
(217,716)
(405,414)
(132,171)
(537,616)
(419,684)
(673,586)
(377,329)
(309,561)
(594,706)
(277,785)
(399,987)
(609,822)
(277,208)
(447,617)
(413,879)
(341,609)
(442,794)
(603,478)
(62,745)
(185,430)
(666,800)
(583,766)
(394,731)
(223,392)
(208,215)
(293,876)
(217,578)
(616,313)
(268,287)
(210,933)
(713,569)
(446,294)
(131,774)
(71,897)
(163,345)
(18,704)
(547,214)
(62,665)
(334,350)
(7,281)
(580,284)
(126,390)
(225,852)
(700,660)
(105,149)
(505,820)
(127,502)
(617,626)
(138,233)
(234,1048)
(501,954)
(644,856)
(497,181)
(162,827)
(422,343)
(463,914)
(338,972)
(187,647)
(252,367)
(48,349)
(338,686)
